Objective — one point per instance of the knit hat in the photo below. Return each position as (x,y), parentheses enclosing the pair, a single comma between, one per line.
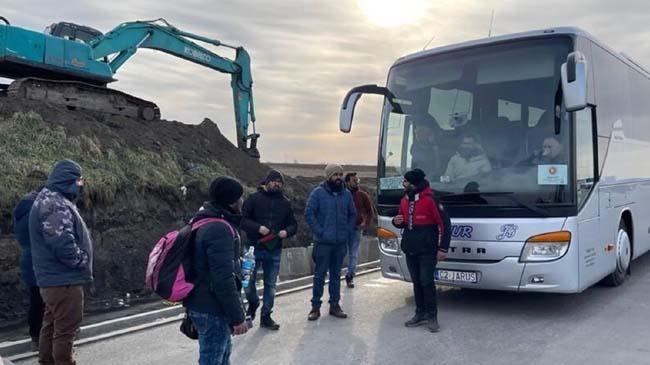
(415,176)
(274,175)
(332,169)
(225,191)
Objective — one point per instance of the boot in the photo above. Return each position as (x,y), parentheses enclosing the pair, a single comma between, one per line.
(336,311)
(252,308)
(417,320)
(349,281)
(314,314)
(433,324)
(267,322)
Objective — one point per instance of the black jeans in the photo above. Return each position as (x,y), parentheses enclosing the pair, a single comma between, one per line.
(422,268)
(35,312)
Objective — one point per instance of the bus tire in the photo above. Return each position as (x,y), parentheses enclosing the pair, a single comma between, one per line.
(623,257)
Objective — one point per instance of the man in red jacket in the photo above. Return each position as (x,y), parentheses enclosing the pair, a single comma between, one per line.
(425,241)
(365,217)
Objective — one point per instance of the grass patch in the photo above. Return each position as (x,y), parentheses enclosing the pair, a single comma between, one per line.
(29,147)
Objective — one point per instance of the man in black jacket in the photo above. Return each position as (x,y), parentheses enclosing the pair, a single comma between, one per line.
(214,304)
(268,220)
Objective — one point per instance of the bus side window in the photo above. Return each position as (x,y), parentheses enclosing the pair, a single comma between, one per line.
(585,156)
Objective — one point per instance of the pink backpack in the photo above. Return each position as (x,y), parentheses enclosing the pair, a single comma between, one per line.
(170,261)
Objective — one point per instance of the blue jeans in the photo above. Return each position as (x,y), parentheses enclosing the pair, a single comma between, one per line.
(214,338)
(327,258)
(353,253)
(270,263)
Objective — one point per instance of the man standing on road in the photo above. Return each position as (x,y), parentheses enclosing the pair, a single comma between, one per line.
(332,217)
(365,217)
(21,227)
(214,305)
(270,217)
(425,240)
(62,256)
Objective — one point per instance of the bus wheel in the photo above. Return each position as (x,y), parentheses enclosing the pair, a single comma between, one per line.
(623,257)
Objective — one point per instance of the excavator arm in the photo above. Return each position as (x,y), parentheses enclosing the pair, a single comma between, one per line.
(123,41)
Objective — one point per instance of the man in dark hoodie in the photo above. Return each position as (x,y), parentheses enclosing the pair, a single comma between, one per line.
(62,256)
(21,227)
(332,218)
(270,217)
(214,304)
(425,240)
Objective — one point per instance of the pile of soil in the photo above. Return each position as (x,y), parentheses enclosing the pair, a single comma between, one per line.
(125,228)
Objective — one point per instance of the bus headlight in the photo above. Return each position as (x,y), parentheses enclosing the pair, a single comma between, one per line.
(388,241)
(546,247)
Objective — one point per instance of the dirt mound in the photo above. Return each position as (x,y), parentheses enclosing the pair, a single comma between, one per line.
(134,172)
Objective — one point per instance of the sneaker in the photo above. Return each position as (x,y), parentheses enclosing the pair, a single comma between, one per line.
(268,322)
(252,308)
(417,320)
(336,311)
(433,325)
(349,281)
(314,314)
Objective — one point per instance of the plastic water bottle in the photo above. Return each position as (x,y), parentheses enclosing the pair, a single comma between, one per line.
(247,266)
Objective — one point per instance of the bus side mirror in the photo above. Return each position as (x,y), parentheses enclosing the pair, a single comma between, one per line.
(347,111)
(574,81)
(350,102)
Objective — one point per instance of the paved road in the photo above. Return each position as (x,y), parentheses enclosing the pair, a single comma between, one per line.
(600,326)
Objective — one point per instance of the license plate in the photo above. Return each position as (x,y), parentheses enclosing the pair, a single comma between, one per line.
(457,276)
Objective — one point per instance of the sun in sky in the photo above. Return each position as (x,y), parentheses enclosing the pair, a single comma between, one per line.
(391,13)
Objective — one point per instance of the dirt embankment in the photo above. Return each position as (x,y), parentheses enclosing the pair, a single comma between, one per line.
(134,172)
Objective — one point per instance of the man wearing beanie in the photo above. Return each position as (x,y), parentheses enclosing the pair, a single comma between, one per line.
(214,305)
(425,240)
(332,218)
(268,220)
(62,257)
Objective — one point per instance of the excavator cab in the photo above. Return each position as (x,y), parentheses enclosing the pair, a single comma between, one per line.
(73,31)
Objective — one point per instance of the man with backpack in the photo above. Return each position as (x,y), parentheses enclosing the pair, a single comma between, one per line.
(62,256)
(271,220)
(214,305)
(21,227)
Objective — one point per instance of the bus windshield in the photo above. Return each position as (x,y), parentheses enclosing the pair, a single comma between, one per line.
(485,124)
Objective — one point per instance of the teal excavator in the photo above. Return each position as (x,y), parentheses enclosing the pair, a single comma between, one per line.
(71,65)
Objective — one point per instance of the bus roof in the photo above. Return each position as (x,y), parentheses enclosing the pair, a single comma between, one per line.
(540,33)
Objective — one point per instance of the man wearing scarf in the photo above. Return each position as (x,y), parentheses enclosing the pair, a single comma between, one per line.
(425,241)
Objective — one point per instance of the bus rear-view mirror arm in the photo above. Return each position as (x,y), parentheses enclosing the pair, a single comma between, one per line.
(350,102)
(574,81)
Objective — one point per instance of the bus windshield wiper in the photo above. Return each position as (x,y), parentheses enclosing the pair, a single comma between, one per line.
(508,194)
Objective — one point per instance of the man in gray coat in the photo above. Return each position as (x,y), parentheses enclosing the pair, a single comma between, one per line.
(62,257)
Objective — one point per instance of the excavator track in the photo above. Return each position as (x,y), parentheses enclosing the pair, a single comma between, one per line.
(80,95)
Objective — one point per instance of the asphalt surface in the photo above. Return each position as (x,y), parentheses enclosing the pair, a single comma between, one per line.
(599,326)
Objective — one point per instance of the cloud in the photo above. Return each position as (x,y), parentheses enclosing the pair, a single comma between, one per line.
(307,54)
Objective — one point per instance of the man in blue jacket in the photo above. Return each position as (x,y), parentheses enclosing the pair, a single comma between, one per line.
(62,256)
(21,227)
(332,217)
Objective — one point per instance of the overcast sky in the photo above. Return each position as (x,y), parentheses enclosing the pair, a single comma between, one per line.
(307,54)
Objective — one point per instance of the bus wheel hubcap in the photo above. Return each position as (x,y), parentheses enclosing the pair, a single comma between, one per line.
(623,251)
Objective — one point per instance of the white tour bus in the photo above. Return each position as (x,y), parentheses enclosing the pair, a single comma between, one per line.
(538,146)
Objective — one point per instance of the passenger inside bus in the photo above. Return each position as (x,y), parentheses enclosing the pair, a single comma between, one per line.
(470,160)
(550,153)
(425,150)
